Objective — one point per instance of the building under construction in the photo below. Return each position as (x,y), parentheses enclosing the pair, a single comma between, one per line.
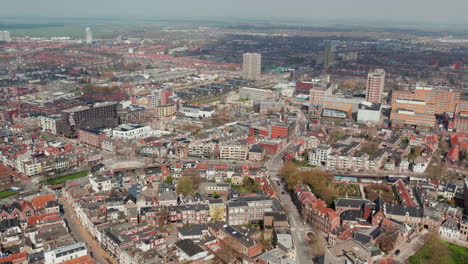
(89,116)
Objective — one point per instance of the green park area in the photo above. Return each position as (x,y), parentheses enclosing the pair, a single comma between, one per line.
(6,193)
(65,178)
(348,190)
(438,251)
(385,191)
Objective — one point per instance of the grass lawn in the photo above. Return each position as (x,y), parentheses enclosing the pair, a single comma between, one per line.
(6,193)
(352,190)
(373,191)
(303,163)
(438,251)
(459,253)
(47,137)
(65,178)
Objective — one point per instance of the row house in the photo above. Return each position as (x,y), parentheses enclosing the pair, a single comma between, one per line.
(189,214)
(357,162)
(17,210)
(157,216)
(315,210)
(320,216)
(404,193)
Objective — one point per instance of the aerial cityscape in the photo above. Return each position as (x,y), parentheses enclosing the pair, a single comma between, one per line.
(215,135)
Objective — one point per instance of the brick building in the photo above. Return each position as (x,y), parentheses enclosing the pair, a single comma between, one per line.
(92,137)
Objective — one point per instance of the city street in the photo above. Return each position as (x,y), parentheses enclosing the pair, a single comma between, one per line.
(82,235)
(299,229)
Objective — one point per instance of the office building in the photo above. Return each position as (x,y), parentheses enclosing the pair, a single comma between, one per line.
(419,107)
(88,116)
(196,111)
(248,209)
(328,55)
(5,36)
(89,35)
(318,94)
(460,122)
(375,86)
(338,110)
(132,131)
(251,66)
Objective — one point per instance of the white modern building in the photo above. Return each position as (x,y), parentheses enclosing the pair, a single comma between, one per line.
(251,66)
(318,156)
(233,152)
(132,131)
(369,112)
(419,165)
(196,111)
(89,35)
(201,149)
(5,36)
(65,253)
(49,123)
(100,184)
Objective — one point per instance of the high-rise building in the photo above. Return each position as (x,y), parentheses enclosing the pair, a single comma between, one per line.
(375,86)
(5,36)
(419,107)
(89,35)
(328,55)
(161,97)
(252,66)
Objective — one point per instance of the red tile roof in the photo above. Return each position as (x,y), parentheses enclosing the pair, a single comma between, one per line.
(38,219)
(40,201)
(15,258)
(404,194)
(81,260)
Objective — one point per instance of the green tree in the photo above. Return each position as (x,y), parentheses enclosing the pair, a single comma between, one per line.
(185,186)
(169,179)
(320,182)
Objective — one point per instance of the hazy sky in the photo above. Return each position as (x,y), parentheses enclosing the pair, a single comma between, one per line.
(431,11)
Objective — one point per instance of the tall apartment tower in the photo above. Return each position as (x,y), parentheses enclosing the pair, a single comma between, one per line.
(375,86)
(251,66)
(89,35)
(5,36)
(328,55)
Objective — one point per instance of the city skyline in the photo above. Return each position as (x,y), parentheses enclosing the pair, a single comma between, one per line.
(364,10)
